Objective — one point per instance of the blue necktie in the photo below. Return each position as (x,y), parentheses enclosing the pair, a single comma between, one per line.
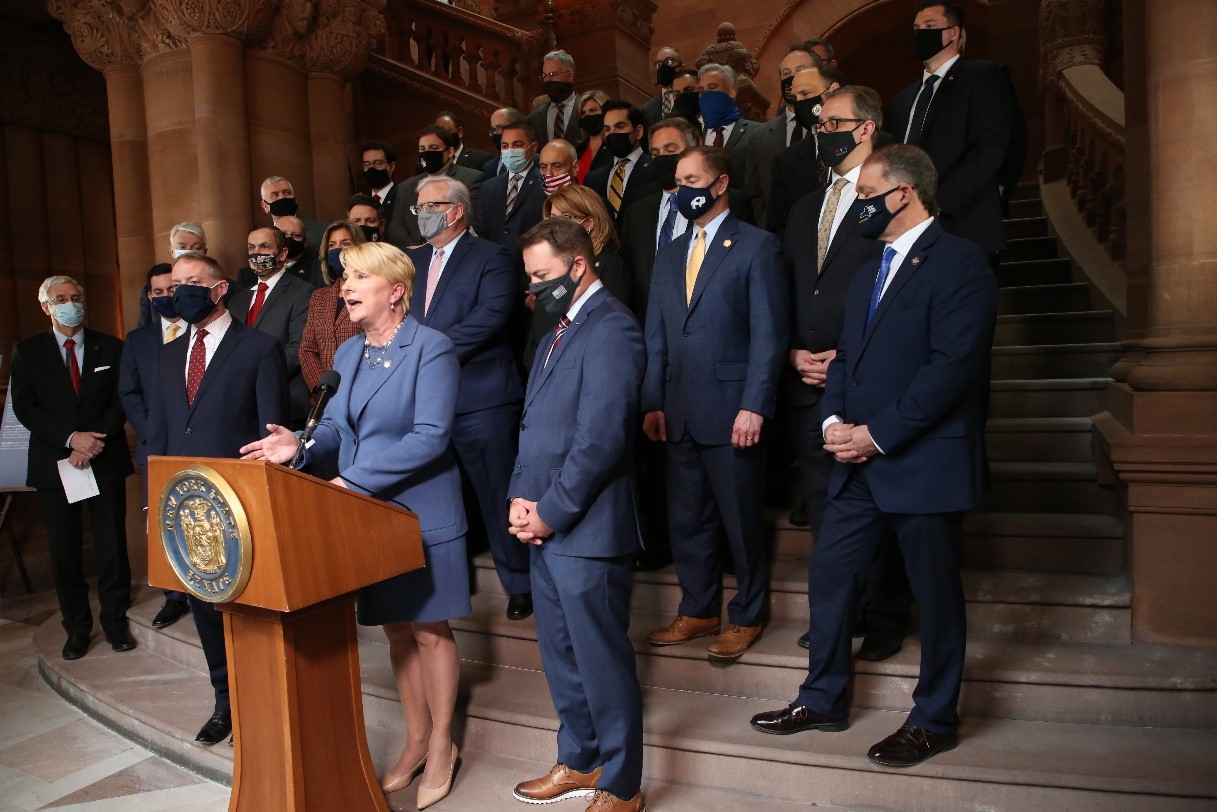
(669,223)
(885,266)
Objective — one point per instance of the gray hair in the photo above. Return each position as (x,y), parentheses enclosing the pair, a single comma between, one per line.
(722,70)
(44,290)
(865,101)
(190,228)
(455,190)
(274,179)
(566,59)
(907,164)
(687,133)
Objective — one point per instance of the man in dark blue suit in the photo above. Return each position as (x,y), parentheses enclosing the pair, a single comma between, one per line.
(213,392)
(510,203)
(717,327)
(573,500)
(138,365)
(904,414)
(629,177)
(465,287)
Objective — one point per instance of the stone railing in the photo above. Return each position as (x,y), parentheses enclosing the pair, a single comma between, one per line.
(495,62)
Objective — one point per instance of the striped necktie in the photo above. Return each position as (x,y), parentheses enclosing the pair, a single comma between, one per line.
(824,235)
(617,185)
(512,192)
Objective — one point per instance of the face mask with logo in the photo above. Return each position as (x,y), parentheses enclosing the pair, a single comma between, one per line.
(431,161)
(555,182)
(807,111)
(263,265)
(294,248)
(665,74)
(163,305)
(193,302)
(283,207)
(718,109)
(663,169)
(555,295)
(515,159)
(557,91)
(69,314)
(592,124)
(376,178)
(927,42)
(692,202)
(619,144)
(874,217)
(431,223)
(370,233)
(833,147)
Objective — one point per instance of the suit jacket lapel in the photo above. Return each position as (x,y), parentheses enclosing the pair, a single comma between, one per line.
(232,337)
(539,376)
(276,293)
(716,252)
(394,355)
(90,359)
(451,264)
(844,230)
(904,275)
(942,95)
(737,132)
(418,296)
(53,350)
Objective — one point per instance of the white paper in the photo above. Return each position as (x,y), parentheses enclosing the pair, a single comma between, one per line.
(78,483)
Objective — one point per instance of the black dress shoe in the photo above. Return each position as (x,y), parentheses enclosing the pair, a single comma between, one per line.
(170,613)
(799,517)
(76,647)
(910,745)
(519,606)
(121,641)
(877,647)
(805,640)
(795,718)
(217,728)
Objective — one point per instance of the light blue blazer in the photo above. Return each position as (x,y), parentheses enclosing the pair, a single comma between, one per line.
(392,442)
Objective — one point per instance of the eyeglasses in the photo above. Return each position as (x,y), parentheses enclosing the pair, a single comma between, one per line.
(554,74)
(833,124)
(377,164)
(671,62)
(575,217)
(433,206)
(76,298)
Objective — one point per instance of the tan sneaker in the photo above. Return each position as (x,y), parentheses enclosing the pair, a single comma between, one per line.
(733,642)
(604,801)
(683,629)
(560,783)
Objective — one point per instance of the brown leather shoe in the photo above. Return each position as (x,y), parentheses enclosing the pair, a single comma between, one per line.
(796,718)
(604,801)
(910,745)
(683,629)
(733,642)
(561,782)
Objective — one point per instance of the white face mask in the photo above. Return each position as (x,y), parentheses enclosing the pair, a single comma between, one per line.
(177,252)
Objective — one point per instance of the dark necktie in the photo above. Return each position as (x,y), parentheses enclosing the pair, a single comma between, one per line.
(512,193)
(920,110)
(669,224)
(885,267)
(563,323)
(375,197)
(73,367)
(256,307)
(666,105)
(196,366)
(798,134)
(718,137)
(559,122)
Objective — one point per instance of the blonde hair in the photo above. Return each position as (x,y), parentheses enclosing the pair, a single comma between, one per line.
(583,202)
(386,261)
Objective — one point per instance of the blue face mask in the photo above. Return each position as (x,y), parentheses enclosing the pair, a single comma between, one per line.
(193,302)
(718,109)
(163,305)
(333,260)
(69,314)
(515,159)
(692,202)
(873,215)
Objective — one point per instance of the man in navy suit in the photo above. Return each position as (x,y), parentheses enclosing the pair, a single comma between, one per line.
(466,287)
(629,177)
(138,365)
(959,112)
(510,203)
(573,501)
(903,413)
(716,328)
(214,391)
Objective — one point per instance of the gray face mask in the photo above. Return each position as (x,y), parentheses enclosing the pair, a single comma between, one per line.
(431,223)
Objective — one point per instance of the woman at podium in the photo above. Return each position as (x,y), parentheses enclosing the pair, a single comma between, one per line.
(389,426)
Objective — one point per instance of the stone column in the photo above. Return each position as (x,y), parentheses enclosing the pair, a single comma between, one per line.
(612,41)
(279,128)
(330,132)
(173,164)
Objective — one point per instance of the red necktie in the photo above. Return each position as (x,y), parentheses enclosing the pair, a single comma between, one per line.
(196,366)
(563,323)
(718,137)
(256,307)
(376,197)
(73,367)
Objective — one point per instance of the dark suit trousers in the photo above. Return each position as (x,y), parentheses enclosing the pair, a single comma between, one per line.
(108,517)
(714,489)
(886,598)
(210,625)
(853,529)
(583,617)
(485,444)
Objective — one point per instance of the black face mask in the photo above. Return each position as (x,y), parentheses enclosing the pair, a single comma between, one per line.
(786,83)
(193,302)
(687,105)
(663,168)
(619,144)
(294,248)
(284,207)
(557,91)
(927,42)
(431,161)
(555,295)
(665,74)
(592,124)
(376,178)
(370,233)
(833,147)
(873,216)
(807,111)
(497,140)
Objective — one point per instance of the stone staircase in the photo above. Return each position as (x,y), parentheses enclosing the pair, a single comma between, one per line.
(1062,710)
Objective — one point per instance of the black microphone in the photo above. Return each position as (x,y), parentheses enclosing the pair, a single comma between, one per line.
(324,391)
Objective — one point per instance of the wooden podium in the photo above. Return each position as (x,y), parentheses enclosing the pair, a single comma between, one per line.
(293,658)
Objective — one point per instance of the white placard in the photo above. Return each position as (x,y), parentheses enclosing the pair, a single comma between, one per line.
(78,483)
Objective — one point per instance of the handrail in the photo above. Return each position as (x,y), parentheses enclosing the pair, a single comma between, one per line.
(496,62)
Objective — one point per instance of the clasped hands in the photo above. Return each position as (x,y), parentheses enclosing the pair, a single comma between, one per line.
(812,366)
(526,524)
(849,443)
(85,446)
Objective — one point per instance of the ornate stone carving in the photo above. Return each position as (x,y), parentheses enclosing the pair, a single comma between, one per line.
(247,20)
(1071,33)
(632,17)
(35,68)
(114,32)
(730,52)
(346,32)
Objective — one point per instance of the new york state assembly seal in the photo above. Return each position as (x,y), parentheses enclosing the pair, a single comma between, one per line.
(205,534)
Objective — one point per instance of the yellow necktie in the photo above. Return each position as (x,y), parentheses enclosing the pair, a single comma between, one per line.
(695,260)
(616,188)
(172,332)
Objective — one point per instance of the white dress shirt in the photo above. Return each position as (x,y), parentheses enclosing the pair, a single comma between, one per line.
(849,193)
(667,201)
(211,341)
(940,73)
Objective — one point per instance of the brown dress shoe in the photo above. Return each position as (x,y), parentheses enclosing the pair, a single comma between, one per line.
(559,783)
(910,745)
(733,642)
(796,718)
(683,629)
(604,801)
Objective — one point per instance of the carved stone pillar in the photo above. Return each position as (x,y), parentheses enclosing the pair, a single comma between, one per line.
(278,127)
(612,39)
(173,158)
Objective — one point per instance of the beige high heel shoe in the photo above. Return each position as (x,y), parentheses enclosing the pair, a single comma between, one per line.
(404,781)
(433,795)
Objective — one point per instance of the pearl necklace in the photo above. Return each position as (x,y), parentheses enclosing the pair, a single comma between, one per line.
(381,350)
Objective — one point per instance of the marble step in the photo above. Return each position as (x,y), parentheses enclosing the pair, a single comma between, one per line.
(1039,439)
(1048,397)
(1048,487)
(1016,227)
(1083,327)
(1055,361)
(1063,298)
(1033,270)
(1020,249)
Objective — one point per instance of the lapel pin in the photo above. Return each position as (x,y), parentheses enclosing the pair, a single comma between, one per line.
(916,260)
(726,243)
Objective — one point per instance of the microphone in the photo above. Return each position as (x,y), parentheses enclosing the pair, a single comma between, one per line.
(324,391)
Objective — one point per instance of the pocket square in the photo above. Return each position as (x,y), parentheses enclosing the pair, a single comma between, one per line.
(101,369)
